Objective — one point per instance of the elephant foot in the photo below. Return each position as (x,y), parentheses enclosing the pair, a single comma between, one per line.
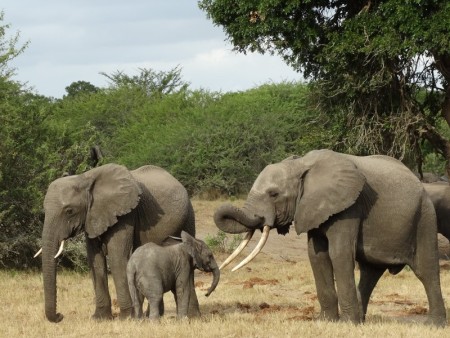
(438,321)
(56,319)
(194,313)
(102,314)
(126,313)
(329,316)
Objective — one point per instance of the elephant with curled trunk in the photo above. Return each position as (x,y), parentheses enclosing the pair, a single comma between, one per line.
(370,209)
(118,210)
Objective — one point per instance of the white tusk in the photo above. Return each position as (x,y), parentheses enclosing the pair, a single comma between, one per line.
(247,238)
(37,253)
(256,250)
(61,247)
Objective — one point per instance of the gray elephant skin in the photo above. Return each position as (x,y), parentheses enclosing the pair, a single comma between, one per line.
(439,193)
(154,270)
(118,210)
(370,209)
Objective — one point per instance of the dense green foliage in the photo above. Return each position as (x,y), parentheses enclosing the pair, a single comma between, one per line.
(381,67)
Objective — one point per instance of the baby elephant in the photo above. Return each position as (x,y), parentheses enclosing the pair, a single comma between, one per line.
(153,270)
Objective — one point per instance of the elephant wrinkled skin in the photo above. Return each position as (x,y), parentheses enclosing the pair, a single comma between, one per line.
(370,209)
(154,270)
(118,210)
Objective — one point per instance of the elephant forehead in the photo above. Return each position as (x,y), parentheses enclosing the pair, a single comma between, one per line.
(273,174)
(62,190)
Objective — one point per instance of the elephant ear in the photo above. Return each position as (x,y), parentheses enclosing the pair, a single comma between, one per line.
(192,246)
(331,185)
(113,192)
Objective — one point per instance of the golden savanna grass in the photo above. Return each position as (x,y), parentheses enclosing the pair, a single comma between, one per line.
(273,296)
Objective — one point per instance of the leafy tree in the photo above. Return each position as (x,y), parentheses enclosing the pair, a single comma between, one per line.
(150,82)
(32,153)
(9,50)
(81,87)
(381,68)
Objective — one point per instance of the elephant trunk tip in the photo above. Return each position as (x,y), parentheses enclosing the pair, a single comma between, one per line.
(216,278)
(55,318)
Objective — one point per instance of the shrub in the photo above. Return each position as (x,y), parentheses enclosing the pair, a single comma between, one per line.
(221,242)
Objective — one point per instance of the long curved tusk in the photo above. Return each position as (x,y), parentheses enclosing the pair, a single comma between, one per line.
(37,253)
(61,247)
(242,245)
(256,250)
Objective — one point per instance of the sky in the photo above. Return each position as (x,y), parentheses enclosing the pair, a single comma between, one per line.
(73,41)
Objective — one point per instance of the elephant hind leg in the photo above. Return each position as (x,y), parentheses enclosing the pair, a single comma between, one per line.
(369,276)
(426,266)
(323,275)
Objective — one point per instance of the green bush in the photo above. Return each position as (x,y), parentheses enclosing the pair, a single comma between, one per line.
(222,242)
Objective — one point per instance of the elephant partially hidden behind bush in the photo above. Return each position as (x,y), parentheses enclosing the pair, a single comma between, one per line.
(370,209)
(118,210)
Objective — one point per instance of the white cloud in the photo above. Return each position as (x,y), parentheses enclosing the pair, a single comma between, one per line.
(73,41)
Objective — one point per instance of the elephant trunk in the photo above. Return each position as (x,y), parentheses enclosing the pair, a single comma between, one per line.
(216,278)
(49,249)
(234,220)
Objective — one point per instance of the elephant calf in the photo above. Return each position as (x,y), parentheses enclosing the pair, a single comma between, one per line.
(154,270)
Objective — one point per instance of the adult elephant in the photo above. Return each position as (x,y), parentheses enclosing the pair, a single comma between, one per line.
(118,210)
(439,193)
(370,209)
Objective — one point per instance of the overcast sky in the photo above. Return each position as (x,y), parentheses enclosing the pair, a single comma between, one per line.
(76,40)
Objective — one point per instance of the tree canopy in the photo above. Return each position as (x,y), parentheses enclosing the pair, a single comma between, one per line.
(380,66)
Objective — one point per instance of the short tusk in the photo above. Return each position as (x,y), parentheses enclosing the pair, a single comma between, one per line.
(247,238)
(61,247)
(256,250)
(37,253)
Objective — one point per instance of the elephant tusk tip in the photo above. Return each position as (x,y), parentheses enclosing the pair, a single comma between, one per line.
(37,253)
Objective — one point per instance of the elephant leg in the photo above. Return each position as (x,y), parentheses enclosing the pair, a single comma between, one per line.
(161,307)
(369,276)
(119,242)
(183,295)
(426,268)
(323,275)
(155,304)
(342,238)
(99,274)
(194,307)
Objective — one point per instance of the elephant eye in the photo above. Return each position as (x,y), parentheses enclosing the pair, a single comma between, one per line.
(273,193)
(69,211)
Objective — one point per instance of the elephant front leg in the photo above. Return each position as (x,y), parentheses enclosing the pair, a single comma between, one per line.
(119,242)
(194,307)
(342,237)
(323,275)
(99,274)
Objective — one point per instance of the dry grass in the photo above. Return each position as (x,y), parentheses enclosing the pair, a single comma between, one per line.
(274,296)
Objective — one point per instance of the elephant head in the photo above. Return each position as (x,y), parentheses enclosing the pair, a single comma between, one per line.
(302,190)
(90,202)
(203,258)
